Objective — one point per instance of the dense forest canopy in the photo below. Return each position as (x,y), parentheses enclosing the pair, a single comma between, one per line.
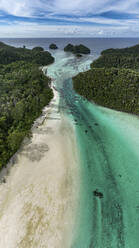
(121,58)
(38,49)
(113,80)
(77,49)
(24,91)
(124,51)
(53,46)
(9,54)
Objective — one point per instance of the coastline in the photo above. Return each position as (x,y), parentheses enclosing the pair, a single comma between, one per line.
(38,200)
(4,171)
(76,148)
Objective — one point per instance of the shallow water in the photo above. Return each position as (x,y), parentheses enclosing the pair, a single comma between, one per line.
(108,143)
(48,200)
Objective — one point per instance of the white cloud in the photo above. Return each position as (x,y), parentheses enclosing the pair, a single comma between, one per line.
(74,11)
(59,7)
(23,29)
(17,7)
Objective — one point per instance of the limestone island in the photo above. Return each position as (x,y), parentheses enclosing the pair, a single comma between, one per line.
(77,49)
(53,46)
(113,80)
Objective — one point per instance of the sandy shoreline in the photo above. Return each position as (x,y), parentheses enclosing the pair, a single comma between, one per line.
(38,201)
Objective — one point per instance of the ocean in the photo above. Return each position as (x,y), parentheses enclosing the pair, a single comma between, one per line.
(95,44)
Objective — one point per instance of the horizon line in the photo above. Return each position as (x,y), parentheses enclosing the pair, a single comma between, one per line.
(130,37)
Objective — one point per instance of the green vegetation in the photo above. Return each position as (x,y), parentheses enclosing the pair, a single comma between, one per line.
(38,49)
(113,80)
(53,46)
(24,91)
(78,55)
(10,54)
(69,48)
(119,58)
(78,49)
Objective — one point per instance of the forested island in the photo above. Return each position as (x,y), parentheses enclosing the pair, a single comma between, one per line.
(24,91)
(53,46)
(77,49)
(113,80)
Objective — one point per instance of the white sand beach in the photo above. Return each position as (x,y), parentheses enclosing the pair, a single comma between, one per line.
(38,200)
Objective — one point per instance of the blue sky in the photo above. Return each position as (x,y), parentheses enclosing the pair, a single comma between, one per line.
(69,18)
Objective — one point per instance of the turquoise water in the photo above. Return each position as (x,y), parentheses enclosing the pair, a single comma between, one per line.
(108,143)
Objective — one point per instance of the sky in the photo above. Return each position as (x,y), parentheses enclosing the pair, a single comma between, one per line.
(69,18)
